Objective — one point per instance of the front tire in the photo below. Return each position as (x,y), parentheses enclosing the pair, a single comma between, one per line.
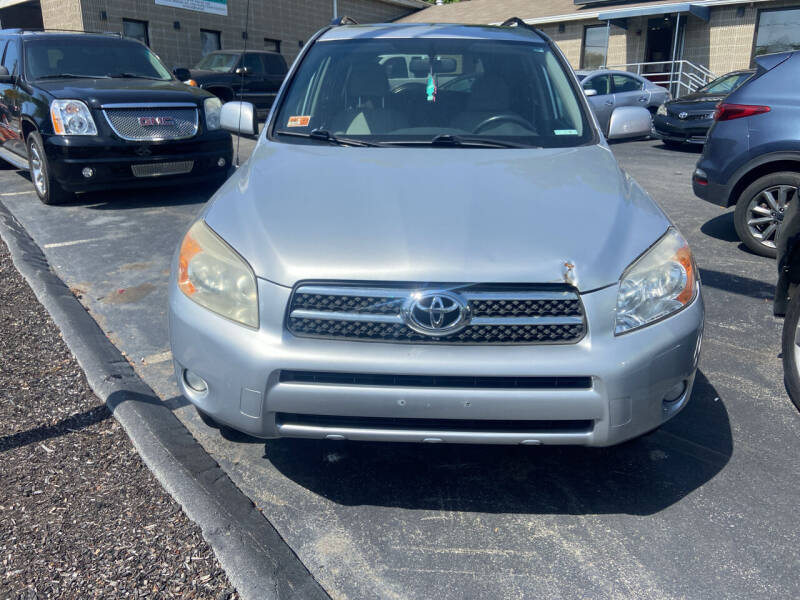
(47,188)
(791,351)
(759,210)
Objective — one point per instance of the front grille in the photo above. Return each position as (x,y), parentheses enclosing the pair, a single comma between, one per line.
(461,425)
(492,314)
(436,381)
(152,122)
(160,169)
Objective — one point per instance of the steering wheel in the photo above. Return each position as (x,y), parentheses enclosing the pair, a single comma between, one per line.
(506,118)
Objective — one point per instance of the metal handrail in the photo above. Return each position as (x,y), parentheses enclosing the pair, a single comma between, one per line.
(680,76)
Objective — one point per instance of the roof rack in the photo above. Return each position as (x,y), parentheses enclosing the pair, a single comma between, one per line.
(343,20)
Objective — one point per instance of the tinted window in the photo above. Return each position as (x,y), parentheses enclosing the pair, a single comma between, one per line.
(623,83)
(725,84)
(595,46)
(90,57)
(778,31)
(274,64)
(252,62)
(517,91)
(11,58)
(600,83)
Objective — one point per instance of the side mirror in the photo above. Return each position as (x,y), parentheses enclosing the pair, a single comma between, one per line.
(239,118)
(181,73)
(5,77)
(629,122)
(590,92)
(242,71)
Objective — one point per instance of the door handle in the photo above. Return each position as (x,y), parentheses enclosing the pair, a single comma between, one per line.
(609,103)
(643,99)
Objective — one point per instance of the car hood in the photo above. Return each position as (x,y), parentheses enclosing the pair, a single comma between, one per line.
(318,212)
(97,92)
(202,74)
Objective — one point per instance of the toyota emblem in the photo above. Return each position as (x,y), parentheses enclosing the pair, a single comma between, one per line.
(683,115)
(436,313)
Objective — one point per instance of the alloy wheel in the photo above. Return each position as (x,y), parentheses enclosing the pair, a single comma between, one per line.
(765,212)
(37,171)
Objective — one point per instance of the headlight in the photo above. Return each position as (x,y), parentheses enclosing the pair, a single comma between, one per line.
(212,274)
(660,282)
(71,117)
(213,107)
(662,110)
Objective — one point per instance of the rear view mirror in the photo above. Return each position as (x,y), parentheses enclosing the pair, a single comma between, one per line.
(4,76)
(181,73)
(419,67)
(629,122)
(239,118)
(590,92)
(444,65)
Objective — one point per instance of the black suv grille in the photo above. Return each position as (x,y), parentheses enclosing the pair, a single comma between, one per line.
(492,314)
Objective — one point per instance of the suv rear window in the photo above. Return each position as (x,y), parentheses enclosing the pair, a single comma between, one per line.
(80,56)
(518,91)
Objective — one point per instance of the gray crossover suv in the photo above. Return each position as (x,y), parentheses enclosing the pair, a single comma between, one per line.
(450,257)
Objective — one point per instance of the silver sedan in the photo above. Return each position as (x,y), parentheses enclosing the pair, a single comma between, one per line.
(608,90)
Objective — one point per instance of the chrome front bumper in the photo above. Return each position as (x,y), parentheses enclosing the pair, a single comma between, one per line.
(629,377)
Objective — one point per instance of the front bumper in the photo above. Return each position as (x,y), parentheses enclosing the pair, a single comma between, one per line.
(630,376)
(680,130)
(113,160)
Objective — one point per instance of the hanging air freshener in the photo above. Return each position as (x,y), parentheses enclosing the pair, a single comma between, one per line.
(431,89)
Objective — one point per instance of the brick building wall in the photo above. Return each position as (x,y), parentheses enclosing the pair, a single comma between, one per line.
(290,21)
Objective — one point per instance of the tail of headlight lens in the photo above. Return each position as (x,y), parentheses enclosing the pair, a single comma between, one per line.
(212,274)
(662,110)
(71,117)
(213,107)
(660,282)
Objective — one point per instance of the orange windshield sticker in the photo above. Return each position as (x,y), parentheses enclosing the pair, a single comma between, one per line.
(298,121)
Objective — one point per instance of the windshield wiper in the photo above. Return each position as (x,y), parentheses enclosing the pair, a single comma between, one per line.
(130,76)
(326,136)
(71,76)
(446,139)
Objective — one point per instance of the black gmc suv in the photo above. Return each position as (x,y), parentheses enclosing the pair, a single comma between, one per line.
(97,111)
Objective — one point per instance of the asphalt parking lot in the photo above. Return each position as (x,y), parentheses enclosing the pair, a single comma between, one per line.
(704,507)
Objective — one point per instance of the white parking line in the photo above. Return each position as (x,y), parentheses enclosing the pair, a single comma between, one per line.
(4,194)
(72,243)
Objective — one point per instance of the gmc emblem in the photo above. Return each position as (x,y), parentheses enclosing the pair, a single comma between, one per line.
(153,121)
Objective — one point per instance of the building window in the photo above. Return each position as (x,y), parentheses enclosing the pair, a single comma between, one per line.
(778,31)
(210,41)
(595,46)
(272,45)
(136,30)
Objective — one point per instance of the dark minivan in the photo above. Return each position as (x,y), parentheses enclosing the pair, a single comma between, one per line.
(752,156)
(97,111)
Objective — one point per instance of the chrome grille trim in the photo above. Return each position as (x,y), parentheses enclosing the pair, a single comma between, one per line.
(496,316)
(123,119)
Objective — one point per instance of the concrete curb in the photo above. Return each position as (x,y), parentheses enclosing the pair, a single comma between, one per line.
(258,562)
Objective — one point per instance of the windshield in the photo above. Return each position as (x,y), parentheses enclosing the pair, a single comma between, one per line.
(726,83)
(220,62)
(421,90)
(91,57)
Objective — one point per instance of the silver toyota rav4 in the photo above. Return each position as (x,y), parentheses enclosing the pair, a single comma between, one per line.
(432,242)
